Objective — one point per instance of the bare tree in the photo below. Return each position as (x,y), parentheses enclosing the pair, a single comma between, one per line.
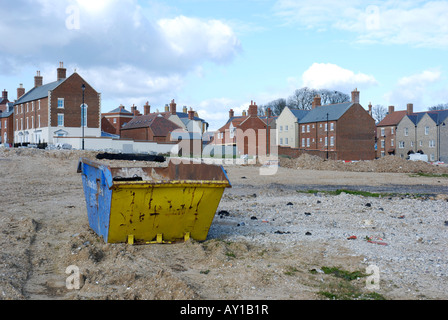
(276,106)
(439,106)
(379,112)
(303,98)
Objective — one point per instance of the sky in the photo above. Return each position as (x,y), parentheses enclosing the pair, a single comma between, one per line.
(216,55)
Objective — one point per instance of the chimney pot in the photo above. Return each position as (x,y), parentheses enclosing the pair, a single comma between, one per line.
(5,94)
(355,96)
(410,109)
(316,101)
(391,109)
(147,109)
(20,91)
(231,113)
(253,110)
(191,114)
(185,109)
(38,80)
(61,71)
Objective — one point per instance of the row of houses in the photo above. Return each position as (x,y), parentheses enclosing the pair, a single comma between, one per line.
(71,108)
(338,131)
(406,132)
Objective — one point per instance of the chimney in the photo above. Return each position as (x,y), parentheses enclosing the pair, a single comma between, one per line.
(173,107)
(38,80)
(391,109)
(410,109)
(5,94)
(134,110)
(269,112)
(355,96)
(121,108)
(244,113)
(185,110)
(147,108)
(62,72)
(231,114)
(370,108)
(191,114)
(253,109)
(20,91)
(316,101)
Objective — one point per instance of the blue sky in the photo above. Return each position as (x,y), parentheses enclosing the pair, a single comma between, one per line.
(220,54)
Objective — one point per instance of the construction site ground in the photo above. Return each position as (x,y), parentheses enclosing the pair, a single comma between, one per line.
(285,236)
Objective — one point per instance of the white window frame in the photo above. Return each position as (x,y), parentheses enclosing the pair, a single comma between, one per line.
(307,142)
(383,144)
(383,132)
(432,143)
(401,145)
(60,116)
(62,104)
(406,132)
(85,118)
(286,141)
(426,130)
(331,141)
(303,142)
(307,128)
(332,126)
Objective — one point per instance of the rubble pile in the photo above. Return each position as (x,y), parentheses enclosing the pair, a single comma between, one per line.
(392,164)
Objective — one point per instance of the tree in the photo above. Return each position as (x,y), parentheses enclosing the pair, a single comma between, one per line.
(440,106)
(379,112)
(276,106)
(303,98)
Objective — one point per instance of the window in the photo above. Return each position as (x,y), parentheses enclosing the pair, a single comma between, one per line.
(383,153)
(286,128)
(17,124)
(32,122)
(432,143)
(281,128)
(383,133)
(115,120)
(38,120)
(307,142)
(27,107)
(38,105)
(60,103)
(60,120)
(412,143)
(6,124)
(392,130)
(382,144)
(401,145)
(332,141)
(326,127)
(303,129)
(303,142)
(326,141)
(406,132)
(431,157)
(286,140)
(332,126)
(32,105)
(426,131)
(84,115)
(307,128)
(27,123)
(281,141)
(420,143)
(391,142)
(21,124)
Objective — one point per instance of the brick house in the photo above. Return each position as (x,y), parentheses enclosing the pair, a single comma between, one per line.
(4,102)
(424,132)
(54,109)
(150,127)
(248,133)
(6,124)
(386,131)
(117,118)
(345,129)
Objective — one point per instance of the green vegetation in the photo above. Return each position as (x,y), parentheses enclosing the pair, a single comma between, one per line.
(363,193)
(344,288)
(429,175)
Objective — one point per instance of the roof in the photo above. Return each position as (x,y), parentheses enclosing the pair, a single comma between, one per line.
(39,92)
(119,110)
(319,114)
(158,124)
(438,116)
(392,119)
(299,114)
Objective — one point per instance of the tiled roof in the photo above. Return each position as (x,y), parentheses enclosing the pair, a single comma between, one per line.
(319,114)
(392,119)
(299,114)
(120,110)
(39,92)
(158,124)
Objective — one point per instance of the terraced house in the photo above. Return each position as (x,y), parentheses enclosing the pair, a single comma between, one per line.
(56,109)
(425,133)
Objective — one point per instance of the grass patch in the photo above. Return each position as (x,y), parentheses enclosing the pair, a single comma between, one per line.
(291,271)
(343,287)
(362,193)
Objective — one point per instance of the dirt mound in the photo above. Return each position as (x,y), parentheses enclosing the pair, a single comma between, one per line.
(392,164)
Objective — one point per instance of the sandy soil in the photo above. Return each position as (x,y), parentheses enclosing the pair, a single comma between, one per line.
(44,228)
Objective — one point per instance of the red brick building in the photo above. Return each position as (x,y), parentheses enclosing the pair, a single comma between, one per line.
(55,109)
(346,129)
(117,118)
(386,142)
(249,133)
(150,127)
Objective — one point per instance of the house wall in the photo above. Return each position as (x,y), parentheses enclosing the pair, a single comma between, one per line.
(443,147)
(390,141)
(410,141)
(7,128)
(315,132)
(291,135)
(251,137)
(424,139)
(355,135)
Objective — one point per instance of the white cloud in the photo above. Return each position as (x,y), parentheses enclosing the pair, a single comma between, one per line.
(113,42)
(333,77)
(413,22)
(414,89)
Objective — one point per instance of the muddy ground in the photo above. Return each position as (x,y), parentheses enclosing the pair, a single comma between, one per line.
(267,240)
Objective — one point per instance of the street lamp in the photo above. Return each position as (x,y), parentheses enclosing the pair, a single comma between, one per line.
(83,87)
(328,142)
